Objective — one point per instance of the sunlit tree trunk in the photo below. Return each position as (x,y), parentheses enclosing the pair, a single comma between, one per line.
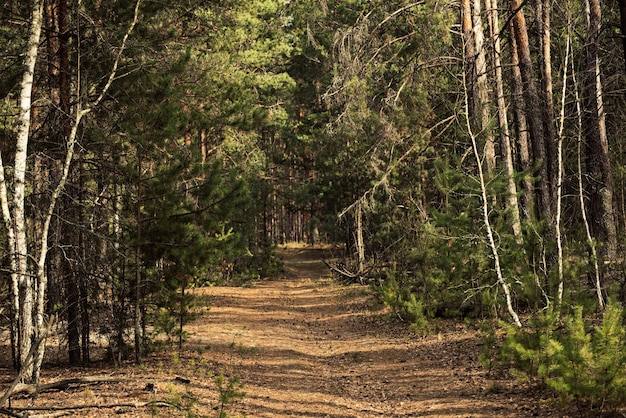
(22,275)
(543,8)
(505,136)
(482,89)
(478,90)
(521,141)
(469,50)
(532,105)
(493,246)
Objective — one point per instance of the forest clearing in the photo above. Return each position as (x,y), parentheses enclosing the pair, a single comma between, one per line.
(302,346)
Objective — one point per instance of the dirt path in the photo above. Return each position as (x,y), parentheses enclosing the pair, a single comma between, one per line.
(303,346)
(307,347)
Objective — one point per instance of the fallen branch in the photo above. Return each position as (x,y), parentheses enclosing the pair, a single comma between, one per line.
(95,406)
(344,274)
(68,410)
(23,388)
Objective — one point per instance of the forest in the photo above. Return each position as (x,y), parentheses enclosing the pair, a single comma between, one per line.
(466,156)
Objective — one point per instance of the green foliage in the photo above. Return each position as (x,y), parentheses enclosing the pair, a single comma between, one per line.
(489,345)
(579,361)
(404,303)
(186,401)
(187,231)
(229,389)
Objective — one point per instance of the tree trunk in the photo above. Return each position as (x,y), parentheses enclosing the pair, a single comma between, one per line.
(469,47)
(505,137)
(476,73)
(22,276)
(543,8)
(483,116)
(137,314)
(522,146)
(600,187)
(533,112)
(360,243)
(622,15)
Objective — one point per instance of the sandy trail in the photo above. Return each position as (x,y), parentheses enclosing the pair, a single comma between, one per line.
(305,346)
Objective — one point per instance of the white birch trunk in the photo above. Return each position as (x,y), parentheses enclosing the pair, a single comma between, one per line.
(581,198)
(360,243)
(22,275)
(29,296)
(559,179)
(506,288)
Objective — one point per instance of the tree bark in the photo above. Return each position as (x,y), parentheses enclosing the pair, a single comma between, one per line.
(476,73)
(483,117)
(137,313)
(522,142)
(22,275)
(469,47)
(600,187)
(505,137)
(533,108)
(543,8)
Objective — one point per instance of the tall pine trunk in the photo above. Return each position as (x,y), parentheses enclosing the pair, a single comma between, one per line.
(543,8)
(505,136)
(522,138)
(600,187)
(533,106)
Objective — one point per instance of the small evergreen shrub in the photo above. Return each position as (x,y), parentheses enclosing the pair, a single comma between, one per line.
(404,302)
(579,361)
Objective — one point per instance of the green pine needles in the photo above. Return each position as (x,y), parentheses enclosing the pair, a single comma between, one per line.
(580,361)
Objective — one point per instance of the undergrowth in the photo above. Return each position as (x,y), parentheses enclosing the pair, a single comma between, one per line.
(582,360)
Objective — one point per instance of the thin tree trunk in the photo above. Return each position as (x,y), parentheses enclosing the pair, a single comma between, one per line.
(545,67)
(522,142)
(505,136)
(360,243)
(485,212)
(533,111)
(559,189)
(476,71)
(482,89)
(469,47)
(137,315)
(581,196)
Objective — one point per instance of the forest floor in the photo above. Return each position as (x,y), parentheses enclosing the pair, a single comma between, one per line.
(302,346)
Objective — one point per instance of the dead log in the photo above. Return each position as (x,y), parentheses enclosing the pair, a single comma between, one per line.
(28,389)
(68,409)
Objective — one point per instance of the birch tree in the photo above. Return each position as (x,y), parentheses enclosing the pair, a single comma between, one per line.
(28,263)
(13,213)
